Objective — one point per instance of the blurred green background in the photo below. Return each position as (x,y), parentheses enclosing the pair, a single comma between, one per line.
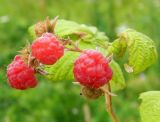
(61,102)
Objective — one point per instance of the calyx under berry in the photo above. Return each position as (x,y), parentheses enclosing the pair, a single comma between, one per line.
(45,26)
(91,93)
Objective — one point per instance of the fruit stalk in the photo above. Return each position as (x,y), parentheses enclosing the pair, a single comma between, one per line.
(108,99)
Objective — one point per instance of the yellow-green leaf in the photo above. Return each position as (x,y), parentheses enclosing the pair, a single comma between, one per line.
(150,106)
(118,81)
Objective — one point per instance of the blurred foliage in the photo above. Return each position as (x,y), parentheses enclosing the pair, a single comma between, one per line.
(61,102)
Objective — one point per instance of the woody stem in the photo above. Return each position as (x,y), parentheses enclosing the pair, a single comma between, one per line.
(109,108)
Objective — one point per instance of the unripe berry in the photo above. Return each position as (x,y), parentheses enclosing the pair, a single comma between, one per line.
(91,69)
(47,49)
(20,76)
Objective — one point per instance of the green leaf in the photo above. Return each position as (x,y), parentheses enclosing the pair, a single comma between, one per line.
(31,31)
(118,81)
(140,48)
(65,29)
(150,106)
(118,47)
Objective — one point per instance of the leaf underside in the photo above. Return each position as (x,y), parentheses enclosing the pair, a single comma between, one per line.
(140,48)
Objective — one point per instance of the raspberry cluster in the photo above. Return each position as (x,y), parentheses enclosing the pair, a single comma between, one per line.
(91,69)
(46,49)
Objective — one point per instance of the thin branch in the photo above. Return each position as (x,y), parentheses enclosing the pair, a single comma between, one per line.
(108,99)
(107,91)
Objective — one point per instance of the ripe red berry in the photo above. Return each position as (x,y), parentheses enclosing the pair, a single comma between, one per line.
(91,69)
(47,49)
(20,76)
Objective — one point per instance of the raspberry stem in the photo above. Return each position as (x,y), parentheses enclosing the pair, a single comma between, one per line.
(107,92)
(109,108)
(75,46)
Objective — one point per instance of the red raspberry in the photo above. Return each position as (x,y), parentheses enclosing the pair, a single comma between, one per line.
(47,49)
(91,69)
(20,76)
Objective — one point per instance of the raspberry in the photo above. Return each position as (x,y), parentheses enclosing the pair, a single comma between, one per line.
(91,69)
(20,76)
(47,49)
